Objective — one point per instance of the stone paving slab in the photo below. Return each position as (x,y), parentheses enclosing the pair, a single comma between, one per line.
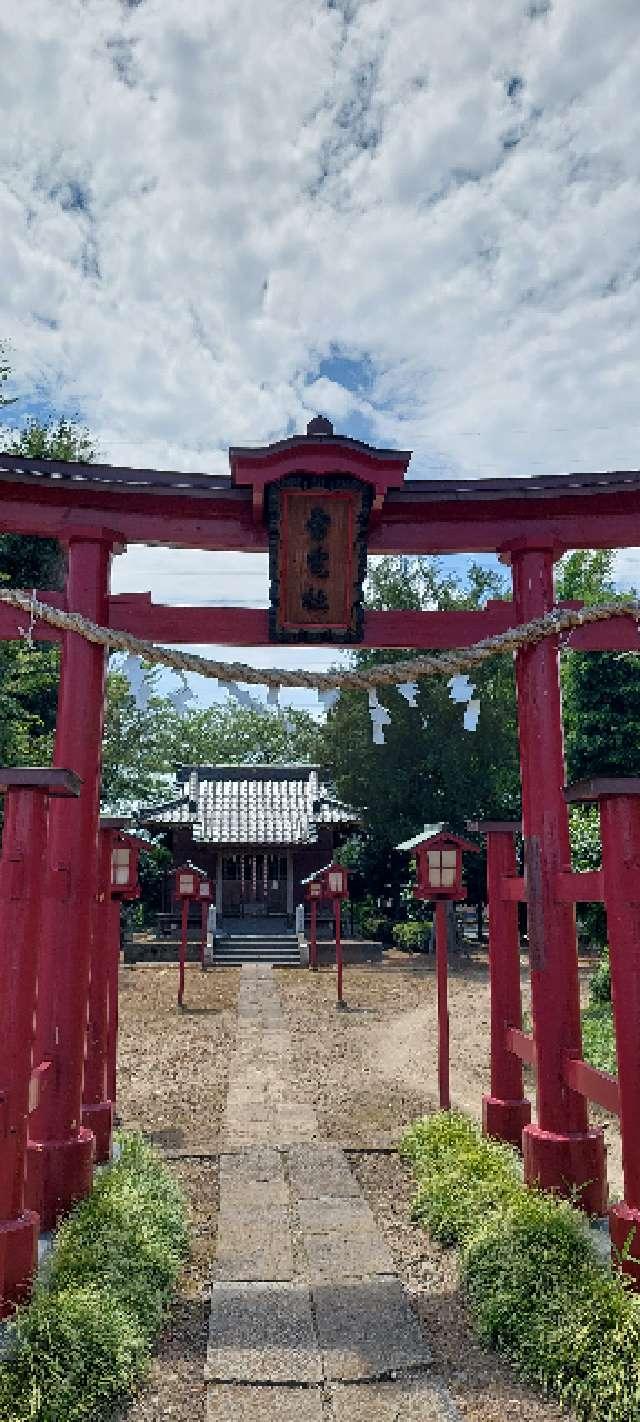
(409,1400)
(253,1253)
(250,1197)
(366,1329)
(341,1255)
(258,1163)
(262,1333)
(319,1170)
(325,1215)
(263,1404)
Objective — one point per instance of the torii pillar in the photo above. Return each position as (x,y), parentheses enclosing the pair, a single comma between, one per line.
(60,1152)
(561,1152)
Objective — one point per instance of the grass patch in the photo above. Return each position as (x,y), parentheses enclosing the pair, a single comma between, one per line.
(598,1036)
(533,1282)
(85,1339)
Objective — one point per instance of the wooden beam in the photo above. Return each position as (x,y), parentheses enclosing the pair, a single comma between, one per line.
(598,1086)
(202,511)
(522,1045)
(585,888)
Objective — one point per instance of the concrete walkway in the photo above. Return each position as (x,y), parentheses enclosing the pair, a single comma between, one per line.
(309,1322)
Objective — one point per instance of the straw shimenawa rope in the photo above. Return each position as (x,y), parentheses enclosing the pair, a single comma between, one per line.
(387,673)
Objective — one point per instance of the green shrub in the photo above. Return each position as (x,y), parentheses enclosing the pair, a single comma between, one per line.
(462,1177)
(598,1036)
(531,1276)
(412,936)
(85,1338)
(600,985)
(376,926)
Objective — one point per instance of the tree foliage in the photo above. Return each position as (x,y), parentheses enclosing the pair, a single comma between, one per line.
(143,747)
(429,768)
(29,677)
(601,690)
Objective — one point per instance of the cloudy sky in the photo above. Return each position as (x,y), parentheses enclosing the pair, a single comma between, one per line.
(422,219)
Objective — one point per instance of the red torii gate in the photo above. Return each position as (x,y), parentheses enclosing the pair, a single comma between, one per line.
(96,510)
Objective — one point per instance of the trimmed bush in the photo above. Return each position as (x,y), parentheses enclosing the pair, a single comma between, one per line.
(85,1338)
(412,936)
(533,1281)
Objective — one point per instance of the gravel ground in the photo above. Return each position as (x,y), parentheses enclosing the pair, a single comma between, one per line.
(172,1064)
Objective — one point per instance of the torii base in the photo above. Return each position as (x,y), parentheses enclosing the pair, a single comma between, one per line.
(18,1260)
(573,1166)
(98,1118)
(624,1229)
(59,1173)
(505,1120)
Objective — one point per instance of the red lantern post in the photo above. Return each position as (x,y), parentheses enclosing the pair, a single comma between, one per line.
(26,802)
(188,880)
(313,893)
(205,896)
(505,1111)
(439,866)
(334,882)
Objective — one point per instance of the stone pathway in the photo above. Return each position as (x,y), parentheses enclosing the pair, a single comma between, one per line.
(309,1322)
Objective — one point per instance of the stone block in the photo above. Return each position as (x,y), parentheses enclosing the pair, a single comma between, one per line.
(262,1333)
(366,1329)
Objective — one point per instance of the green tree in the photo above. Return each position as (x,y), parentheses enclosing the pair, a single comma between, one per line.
(143,747)
(29,676)
(429,768)
(601,690)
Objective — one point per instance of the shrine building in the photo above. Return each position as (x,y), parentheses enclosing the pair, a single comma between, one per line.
(256,830)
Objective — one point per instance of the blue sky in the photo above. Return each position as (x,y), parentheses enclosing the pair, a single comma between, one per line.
(422,220)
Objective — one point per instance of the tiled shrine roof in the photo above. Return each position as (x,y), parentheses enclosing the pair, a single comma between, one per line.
(251,804)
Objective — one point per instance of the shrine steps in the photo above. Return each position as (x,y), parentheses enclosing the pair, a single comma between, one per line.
(278,950)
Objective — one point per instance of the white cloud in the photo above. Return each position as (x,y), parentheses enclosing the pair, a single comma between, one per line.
(200,202)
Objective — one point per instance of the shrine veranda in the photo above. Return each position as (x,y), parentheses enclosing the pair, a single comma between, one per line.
(319,503)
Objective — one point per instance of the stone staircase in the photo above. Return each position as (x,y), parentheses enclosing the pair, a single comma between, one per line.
(280,950)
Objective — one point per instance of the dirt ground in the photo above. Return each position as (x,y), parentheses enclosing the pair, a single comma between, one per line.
(368,1071)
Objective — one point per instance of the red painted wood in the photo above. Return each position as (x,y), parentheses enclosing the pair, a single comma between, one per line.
(60,1152)
(522,1045)
(599,1086)
(560,1144)
(338,933)
(620,831)
(410,522)
(23,853)
(512,889)
(584,888)
(183,949)
(97,1107)
(313,935)
(505,1112)
(112,949)
(444,1091)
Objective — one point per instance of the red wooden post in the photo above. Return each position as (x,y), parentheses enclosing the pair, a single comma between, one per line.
(338,932)
(505,1111)
(21,868)
(444,1093)
(561,1152)
(97,1105)
(313,931)
(203,933)
(183,948)
(114,908)
(60,1149)
(620,831)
